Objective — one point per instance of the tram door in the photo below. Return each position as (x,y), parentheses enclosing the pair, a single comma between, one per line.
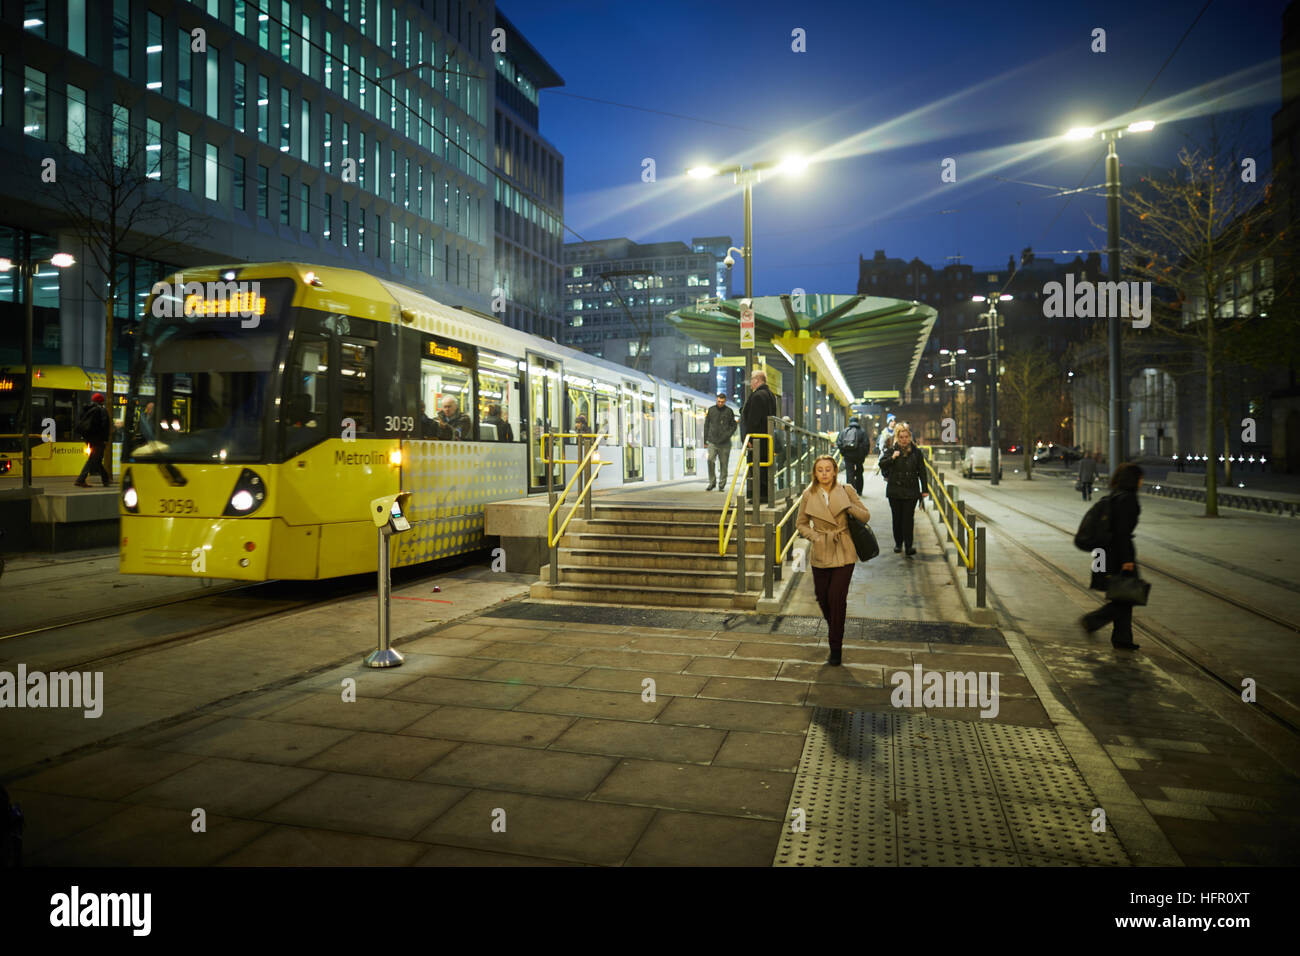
(545,414)
(633,452)
(687,413)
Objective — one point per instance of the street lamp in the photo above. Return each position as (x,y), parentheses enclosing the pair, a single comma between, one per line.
(746,177)
(992,316)
(26,270)
(1117,446)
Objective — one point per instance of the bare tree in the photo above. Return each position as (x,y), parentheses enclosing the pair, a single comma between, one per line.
(1029,383)
(111,196)
(1192,234)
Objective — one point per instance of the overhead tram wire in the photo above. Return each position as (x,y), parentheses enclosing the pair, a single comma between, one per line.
(1081,188)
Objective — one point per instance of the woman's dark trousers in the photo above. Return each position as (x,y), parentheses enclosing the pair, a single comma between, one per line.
(1121,615)
(903,511)
(832,586)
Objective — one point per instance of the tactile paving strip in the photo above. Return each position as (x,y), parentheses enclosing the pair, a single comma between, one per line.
(897,789)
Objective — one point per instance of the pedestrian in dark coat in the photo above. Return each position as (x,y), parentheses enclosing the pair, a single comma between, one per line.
(753,418)
(903,466)
(719,426)
(1087,475)
(1119,555)
(96,428)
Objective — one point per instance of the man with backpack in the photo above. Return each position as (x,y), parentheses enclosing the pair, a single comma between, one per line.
(95,427)
(853,446)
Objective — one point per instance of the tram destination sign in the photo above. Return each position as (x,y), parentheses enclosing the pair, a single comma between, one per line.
(447,351)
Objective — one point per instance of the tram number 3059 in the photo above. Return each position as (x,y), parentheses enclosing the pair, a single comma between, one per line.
(177,506)
(399,423)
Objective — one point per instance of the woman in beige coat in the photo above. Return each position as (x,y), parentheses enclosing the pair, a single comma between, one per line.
(823,520)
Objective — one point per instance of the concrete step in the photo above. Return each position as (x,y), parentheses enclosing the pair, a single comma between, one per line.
(673,529)
(689,515)
(593,557)
(621,594)
(627,542)
(671,578)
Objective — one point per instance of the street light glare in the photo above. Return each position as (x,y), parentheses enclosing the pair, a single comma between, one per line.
(794,164)
(62,260)
(701,172)
(1142,126)
(977,298)
(1081,132)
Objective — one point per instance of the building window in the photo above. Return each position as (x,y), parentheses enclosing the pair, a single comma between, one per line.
(304,207)
(344,231)
(286,37)
(184,91)
(263,192)
(76,119)
(213,82)
(361,164)
(121,144)
(241,103)
(263,108)
(34,103)
(122,37)
(284,200)
(263,27)
(328,216)
(77,26)
(284,119)
(182,160)
(329,61)
(329,140)
(305,63)
(237,176)
(153,149)
(153,52)
(241,17)
(210,172)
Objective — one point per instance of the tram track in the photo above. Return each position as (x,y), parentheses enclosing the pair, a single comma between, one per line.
(1279,711)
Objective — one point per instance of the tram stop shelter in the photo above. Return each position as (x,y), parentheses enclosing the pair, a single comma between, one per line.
(860,348)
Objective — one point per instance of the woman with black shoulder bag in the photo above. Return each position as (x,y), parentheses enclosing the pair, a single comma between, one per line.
(903,466)
(823,519)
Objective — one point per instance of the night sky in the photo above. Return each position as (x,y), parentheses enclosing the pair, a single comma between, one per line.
(884,93)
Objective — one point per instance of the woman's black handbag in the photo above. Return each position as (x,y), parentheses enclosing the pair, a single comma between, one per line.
(1127,589)
(864,539)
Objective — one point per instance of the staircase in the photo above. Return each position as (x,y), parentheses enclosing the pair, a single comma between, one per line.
(662,556)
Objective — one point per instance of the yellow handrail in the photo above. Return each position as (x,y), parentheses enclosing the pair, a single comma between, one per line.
(780,551)
(967,553)
(553,536)
(742,470)
(564,461)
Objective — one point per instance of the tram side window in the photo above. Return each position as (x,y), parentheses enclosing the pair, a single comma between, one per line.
(65,415)
(357,384)
(648,437)
(580,401)
(498,399)
(446,398)
(677,425)
(305,416)
(606,422)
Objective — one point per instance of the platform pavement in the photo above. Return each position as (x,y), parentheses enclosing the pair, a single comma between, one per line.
(1220,781)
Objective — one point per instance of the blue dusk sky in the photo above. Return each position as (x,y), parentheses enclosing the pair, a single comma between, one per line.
(882,96)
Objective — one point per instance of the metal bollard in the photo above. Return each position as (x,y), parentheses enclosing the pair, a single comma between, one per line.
(769,557)
(979,566)
(969,547)
(740,553)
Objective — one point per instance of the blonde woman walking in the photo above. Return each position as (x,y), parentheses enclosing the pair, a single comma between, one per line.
(823,520)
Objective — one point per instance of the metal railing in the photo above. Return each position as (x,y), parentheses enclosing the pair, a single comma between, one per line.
(553,535)
(952,512)
(749,455)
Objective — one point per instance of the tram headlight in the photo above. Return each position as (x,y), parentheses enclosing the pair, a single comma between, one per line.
(130,497)
(248,494)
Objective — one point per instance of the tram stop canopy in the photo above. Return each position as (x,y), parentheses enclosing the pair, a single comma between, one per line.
(862,347)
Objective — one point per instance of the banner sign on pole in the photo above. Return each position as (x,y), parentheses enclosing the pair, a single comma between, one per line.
(746,328)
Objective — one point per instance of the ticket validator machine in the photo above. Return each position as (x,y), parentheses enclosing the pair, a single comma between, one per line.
(389,515)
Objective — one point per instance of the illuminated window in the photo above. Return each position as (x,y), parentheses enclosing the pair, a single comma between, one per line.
(210,167)
(76,119)
(121,37)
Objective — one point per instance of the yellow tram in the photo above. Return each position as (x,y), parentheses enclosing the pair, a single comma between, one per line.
(60,393)
(270,403)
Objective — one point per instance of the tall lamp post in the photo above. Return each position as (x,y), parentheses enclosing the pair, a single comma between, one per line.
(1117,450)
(992,315)
(746,177)
(950,380)
(27,268)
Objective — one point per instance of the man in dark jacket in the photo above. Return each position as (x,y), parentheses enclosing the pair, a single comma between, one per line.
(853,446)
(95,427)
(1087,475)
(753,418)
(1119,557)
(719,426)
(503,430)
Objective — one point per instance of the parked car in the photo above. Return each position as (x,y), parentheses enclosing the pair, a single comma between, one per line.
(979,462)
(1057,453)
